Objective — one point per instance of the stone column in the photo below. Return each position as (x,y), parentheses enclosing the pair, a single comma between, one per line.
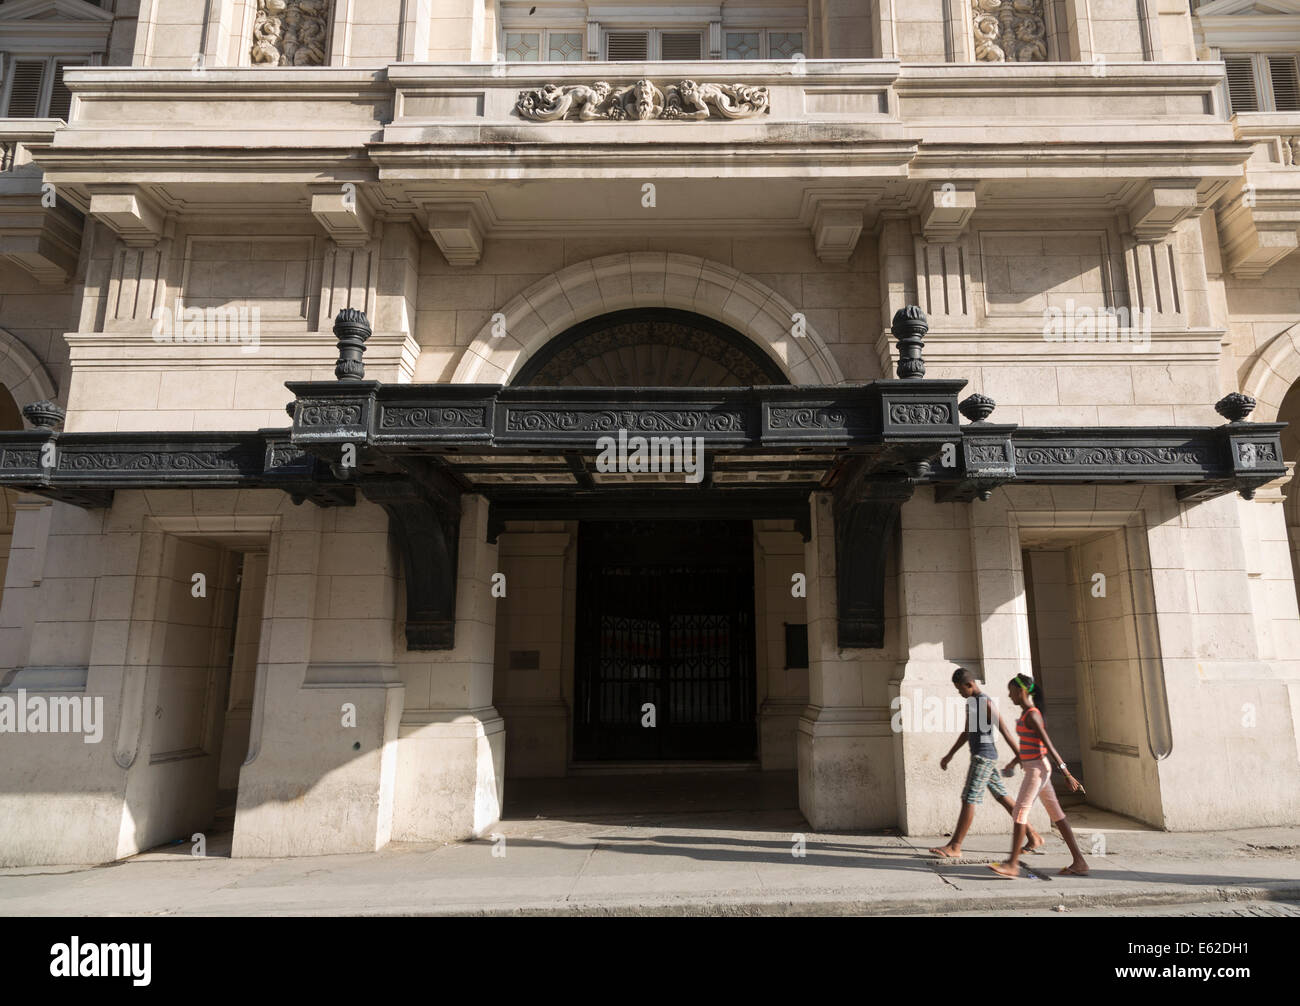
(451,753)
(845,753)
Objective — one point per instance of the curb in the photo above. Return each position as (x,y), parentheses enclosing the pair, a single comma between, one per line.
(832,906)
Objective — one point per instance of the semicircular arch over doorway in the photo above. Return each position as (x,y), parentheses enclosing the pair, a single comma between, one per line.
(650,347)
(555,304)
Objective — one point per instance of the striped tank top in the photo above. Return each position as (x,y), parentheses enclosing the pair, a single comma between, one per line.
(1031,745)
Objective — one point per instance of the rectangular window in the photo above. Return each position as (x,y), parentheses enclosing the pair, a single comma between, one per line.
(763,43)
(784,44)
(644,44)
(627,45)
(33,88)
(1241,83)
(744,45)
(522,42)
(26,89)
(681,45)
(522,46)
(564,46)
(1259,82)
(1282,76)
(60,96)
(551,45)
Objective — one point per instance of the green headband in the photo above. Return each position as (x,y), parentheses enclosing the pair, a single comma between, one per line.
(1026,684)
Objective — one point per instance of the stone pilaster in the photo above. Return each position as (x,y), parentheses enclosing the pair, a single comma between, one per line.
(451,753)
(845,754)
(321,769)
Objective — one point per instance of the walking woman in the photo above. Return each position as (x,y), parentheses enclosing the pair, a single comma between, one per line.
(1035,746)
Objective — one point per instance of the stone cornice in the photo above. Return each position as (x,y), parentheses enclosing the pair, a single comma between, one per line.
(992,79)
(407,132)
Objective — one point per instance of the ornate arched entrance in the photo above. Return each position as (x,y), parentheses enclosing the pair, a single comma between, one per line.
(552,306)
(653,348)
(664,624)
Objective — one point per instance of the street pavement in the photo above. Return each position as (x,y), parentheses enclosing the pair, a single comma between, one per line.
(687,861)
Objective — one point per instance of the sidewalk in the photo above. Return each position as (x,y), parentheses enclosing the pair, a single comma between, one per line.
(687,863)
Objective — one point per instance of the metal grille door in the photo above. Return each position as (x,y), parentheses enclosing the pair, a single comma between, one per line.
(666,618)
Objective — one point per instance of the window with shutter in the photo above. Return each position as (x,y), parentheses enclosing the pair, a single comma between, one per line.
(1286,83)
(1241,83)
(627,45)
(60,96)
(680,45)
(25,92)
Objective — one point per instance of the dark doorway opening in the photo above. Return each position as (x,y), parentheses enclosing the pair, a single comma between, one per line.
(665,631)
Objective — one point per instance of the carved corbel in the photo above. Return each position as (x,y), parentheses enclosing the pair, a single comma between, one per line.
(43,241)
(946,211)
(135,218)
(1257,229)
(458,231)
(1160,206)
(866,516)
(836,226)
(424,522)
(344,215)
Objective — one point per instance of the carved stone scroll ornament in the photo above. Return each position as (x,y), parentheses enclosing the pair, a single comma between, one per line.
(642,101)
(290,33)
(1013,31)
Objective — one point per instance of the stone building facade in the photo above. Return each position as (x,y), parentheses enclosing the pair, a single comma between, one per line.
(548,221)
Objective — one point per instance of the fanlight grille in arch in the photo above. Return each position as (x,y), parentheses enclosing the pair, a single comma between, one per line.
(650,348)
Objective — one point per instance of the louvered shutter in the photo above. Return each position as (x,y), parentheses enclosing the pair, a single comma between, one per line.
(25,92)
(1241,83)
(627,45)
(60,96)
(680,45)
(1286,83)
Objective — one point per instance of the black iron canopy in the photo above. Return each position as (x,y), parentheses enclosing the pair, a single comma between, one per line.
(534,454)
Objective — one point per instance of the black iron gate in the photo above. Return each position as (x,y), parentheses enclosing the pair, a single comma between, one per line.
(665,618)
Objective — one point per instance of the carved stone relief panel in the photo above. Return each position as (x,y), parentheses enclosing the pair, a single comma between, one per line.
(1010,31)
(642,101)
(291,33)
